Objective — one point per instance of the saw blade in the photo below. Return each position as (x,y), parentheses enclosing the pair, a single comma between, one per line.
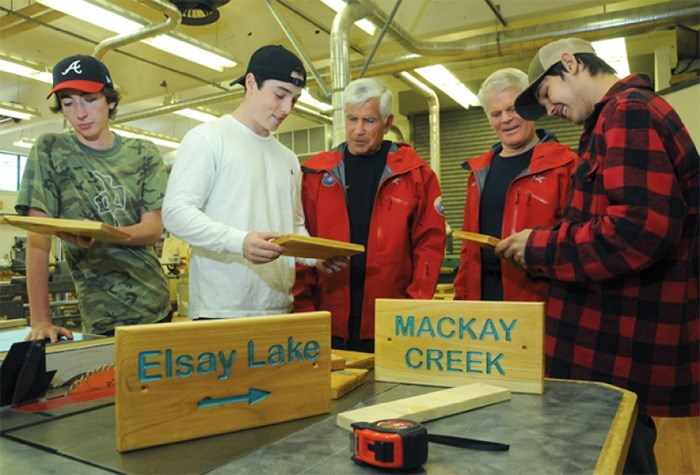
(98,378)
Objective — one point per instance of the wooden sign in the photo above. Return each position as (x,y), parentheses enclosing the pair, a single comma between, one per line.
(186,380)
(85,228)
(452,343)
(316,247)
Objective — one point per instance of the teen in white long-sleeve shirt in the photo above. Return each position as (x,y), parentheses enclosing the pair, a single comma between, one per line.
(233,189)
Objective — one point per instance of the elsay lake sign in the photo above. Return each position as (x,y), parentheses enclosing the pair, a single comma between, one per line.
(452,343)
(187,380)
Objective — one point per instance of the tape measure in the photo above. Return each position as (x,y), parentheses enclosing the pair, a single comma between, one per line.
(402,444)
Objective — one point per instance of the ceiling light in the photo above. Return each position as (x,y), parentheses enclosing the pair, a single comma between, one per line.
(122,21)
(309,100)
(18,111)
(158,139)
(444,80)
(25,68)
(24,142)
(613,52)
(364,24)
(200,114)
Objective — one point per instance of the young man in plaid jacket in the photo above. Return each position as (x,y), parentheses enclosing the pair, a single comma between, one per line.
(623,301)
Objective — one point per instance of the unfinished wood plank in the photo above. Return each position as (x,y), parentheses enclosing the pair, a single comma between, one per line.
(483,240)
(344,381)
(13,323)
(356,359)
(337,362)
(85,228)
(315,247)
(427,407)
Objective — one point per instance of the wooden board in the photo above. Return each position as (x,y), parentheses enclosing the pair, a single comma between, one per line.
(93,229)
(483,240)
(187,380)
(315,247)
(337,362)
(355,359)
(455,342)
(428,407)
(344,381)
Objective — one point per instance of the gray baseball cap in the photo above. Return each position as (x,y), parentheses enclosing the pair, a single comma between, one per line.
(526,103)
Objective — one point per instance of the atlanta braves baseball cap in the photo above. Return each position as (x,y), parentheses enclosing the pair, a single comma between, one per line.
(526,103)
(275,62)
(84,73)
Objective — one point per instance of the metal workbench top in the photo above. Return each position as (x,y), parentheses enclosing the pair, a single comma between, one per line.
(574,427)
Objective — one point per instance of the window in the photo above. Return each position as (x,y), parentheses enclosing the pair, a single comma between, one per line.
(11,170)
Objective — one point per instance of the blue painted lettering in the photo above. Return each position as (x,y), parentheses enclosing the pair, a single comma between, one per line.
(404,329)
(460,328)
(145,365)
(426,326)
(441,323)
(184,366)
(454,361)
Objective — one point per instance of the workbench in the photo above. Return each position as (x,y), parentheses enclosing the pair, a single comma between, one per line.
(574,427)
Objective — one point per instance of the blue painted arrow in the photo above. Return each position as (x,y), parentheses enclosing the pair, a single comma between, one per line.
(254,396)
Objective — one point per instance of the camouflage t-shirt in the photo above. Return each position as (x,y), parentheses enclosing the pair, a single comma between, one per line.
(116,284)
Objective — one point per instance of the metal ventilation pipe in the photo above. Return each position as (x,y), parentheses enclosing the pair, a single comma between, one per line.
(172,21)
(433,118)
(340,60)
(529,39)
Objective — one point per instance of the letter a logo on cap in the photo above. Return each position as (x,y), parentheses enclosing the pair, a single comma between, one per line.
(74,66)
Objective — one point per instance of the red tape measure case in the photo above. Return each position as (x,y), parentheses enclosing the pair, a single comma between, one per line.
(390,443)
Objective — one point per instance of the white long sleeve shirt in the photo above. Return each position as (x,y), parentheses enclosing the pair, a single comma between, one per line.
(226,182)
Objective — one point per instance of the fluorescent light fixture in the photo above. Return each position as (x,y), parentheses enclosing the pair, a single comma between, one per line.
(364,24)
(18,111)
(200,114)
(120,21)
(158,139)
(24,142)
(444,80)
(25,68)
(613,52)
(309,100)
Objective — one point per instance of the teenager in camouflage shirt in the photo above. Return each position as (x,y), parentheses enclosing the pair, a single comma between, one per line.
(95,174)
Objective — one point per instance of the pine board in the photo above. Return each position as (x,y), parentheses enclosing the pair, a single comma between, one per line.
(427,407)
(355,359)
(483,240)
(316,248)
(85,228)
(344,381)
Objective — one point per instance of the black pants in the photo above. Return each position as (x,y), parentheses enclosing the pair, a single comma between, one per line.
(168,318)
(641,458)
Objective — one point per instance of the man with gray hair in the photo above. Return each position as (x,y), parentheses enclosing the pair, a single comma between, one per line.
(520,182)
(380,194)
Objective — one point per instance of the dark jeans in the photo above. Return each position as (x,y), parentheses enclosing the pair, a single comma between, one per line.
(365,346)
(641,458)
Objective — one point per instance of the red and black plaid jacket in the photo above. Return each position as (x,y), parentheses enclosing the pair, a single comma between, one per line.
(623,304)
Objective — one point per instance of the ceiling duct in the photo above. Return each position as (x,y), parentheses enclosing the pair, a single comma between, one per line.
(197,13)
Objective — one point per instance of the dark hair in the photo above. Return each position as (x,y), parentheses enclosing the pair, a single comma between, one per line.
(590,61)
(111,95)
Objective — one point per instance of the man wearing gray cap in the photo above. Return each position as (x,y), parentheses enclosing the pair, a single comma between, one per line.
(623,261)
(234,188)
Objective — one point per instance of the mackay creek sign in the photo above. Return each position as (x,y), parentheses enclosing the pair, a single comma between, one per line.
(452,343)
(186,380)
